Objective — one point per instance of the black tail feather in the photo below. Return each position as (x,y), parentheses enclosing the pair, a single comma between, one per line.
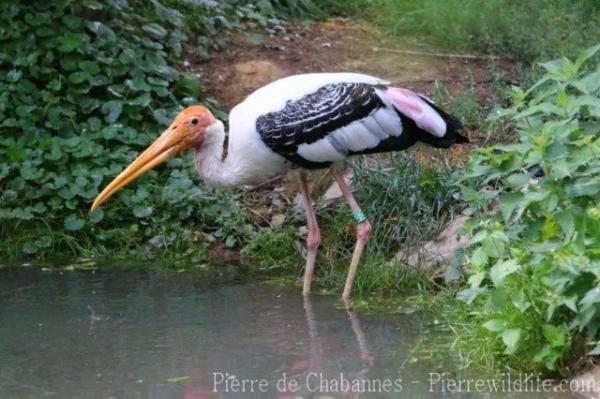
(453,129)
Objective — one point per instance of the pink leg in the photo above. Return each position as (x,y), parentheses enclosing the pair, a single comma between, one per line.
(316,347)
(314,235)
(362,230)
(363,346)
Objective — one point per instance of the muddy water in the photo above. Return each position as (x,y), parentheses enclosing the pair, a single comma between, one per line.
(115,334)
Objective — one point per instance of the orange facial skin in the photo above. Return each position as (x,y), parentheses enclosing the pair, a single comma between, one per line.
(187,130)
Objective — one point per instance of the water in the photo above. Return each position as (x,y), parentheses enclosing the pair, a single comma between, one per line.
(115,334)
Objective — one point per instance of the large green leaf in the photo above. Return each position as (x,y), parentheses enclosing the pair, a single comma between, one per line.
(511,338)
(70,41)
(73,223)
(502,269)
(112,110)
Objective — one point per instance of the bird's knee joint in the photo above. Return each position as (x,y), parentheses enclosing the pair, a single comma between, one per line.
(313,241)
(363,230)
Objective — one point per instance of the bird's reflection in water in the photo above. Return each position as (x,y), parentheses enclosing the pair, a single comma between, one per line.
(327,358)
(313,376)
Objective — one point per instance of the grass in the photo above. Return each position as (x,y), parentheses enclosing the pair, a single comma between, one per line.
(525,30)
(407,203)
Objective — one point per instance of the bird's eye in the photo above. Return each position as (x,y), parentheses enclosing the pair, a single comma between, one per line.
(194,121)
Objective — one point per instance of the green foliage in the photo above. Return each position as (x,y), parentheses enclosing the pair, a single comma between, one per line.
(534,264)
(407,201)
(84,86)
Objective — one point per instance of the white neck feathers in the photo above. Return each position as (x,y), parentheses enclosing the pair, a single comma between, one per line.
(209,158)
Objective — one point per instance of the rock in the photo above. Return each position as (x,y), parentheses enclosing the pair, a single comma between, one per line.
(222,255)
(334,192)
(251,75)
(587,384)
(439,250)
(277,220)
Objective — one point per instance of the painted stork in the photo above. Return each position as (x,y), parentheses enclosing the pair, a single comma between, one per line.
(303,122)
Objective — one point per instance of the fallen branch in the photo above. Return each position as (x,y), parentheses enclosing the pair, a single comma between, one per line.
(443,55)
(443,79)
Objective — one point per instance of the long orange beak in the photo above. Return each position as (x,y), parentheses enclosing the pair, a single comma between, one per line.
(170,143)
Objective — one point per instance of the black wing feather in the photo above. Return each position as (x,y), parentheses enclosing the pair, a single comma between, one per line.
(335,106)
(314,116)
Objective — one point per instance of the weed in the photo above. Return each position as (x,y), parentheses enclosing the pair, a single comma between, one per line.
(274,252)
(534,277)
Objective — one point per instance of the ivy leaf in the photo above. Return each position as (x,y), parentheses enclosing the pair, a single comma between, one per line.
(73,223)
(71,21)
(162,116)
(112,110)
(155,30)
(142,211)
(96,215)
(137,84)
(14,75)
(22,213)
(230,242)
(37,19)
(29,248)
(90,67)
(167,14)
(109,132)
(70,41)
(142,100)
(189,85)
(78,77)
(166,71)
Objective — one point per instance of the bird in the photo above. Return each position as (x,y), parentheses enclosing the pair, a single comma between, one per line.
(301,122)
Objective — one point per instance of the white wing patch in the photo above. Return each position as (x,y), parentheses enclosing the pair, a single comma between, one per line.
(388,121)
(354,137)
(320,151)
(358,136)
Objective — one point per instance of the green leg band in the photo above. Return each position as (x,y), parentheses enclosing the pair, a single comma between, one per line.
(359,217)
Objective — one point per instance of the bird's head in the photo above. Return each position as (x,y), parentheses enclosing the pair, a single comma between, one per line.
(187,130)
